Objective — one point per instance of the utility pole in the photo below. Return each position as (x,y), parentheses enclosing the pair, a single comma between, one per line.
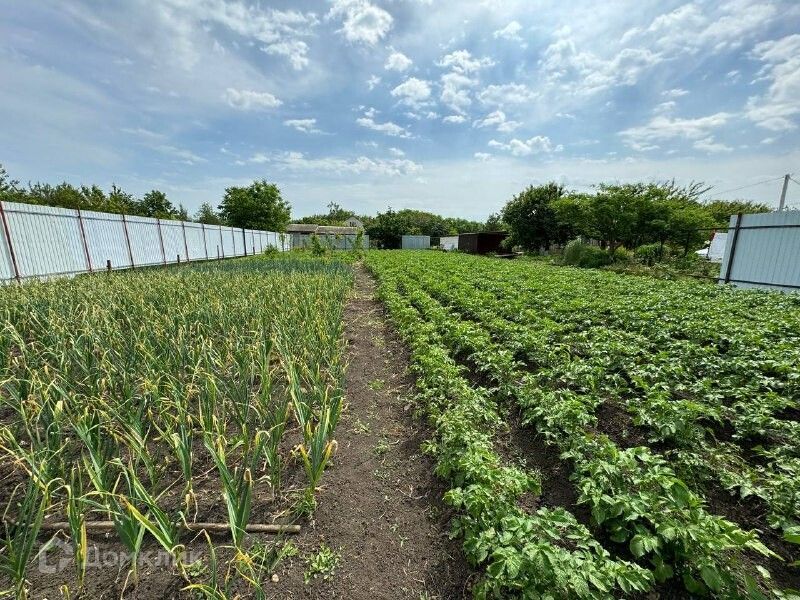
(782,203)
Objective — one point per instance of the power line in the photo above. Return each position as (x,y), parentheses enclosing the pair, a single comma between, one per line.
(795,180)
(736,189)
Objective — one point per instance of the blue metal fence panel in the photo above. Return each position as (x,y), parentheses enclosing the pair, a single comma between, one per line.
(767,253)
(416,242)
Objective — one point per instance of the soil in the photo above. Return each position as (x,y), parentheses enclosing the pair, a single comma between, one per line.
(380,504)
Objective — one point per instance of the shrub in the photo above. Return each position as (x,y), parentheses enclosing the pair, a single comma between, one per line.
(621,255)
(649,253)
(578,254)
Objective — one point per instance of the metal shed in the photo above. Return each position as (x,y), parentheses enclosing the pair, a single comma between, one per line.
(416,242)
(449,242)
(485,242)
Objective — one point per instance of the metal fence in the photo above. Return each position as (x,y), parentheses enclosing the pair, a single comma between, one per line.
(763,250)
(334,241)
(45,241)
(416,242)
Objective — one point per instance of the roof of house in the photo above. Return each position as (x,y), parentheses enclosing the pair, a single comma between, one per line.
(301,228)
(321,229)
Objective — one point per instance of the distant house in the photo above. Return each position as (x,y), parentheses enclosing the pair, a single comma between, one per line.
(353,222)
(331,236)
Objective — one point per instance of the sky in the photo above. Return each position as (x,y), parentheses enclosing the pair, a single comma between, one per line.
(450,106)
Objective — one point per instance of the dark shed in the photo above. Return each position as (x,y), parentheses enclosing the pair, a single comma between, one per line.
(484,242)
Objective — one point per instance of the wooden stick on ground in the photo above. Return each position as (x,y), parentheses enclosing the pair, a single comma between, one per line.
(210,527)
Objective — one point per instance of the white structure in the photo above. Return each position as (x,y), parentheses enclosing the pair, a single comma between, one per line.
(44,241)
(449,242)
(716,249)
(416,242)
(353,222)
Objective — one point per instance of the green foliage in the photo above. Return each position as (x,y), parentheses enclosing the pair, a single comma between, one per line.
(649,253)
(155,204)
(681,360)
(387,229)
(722,210)
(322,563)
(257,206)
(628,215)
(531,217)
(580,254)
(206,214)
(104,419)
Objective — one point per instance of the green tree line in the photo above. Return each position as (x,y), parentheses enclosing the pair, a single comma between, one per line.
(387,228)
(257,206)
(628,215)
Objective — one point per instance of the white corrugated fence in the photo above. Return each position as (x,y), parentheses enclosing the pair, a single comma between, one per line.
(45,241)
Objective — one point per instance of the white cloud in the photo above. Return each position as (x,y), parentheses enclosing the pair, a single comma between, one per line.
(461,61)
(664,128)
(778,107)
(674,93)
(250,100)
(412,91)
(297,161)
(584,73)
(396,152)
(303,125)
(506,94)
(709,145)
(692,27)
(482,156)
(538,144)
(509,32)
(278,30)
(362,21)
(497,119)
(294,50)
(454,119)
(398,61)
(388,127)
(455,91)
(372,82)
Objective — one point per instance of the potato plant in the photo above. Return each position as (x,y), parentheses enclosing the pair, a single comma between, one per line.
(707,377)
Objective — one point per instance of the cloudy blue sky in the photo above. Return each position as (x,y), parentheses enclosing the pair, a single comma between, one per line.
(445,105)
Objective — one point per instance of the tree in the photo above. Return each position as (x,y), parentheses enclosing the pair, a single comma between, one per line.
(258,206)
(155,204)
(531,217)
(206,214)
(721,210)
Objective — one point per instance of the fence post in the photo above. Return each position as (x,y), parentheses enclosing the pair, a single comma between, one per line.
(205,243)
(161,242)
(108,266)
(85,245)
(185,244)
(8,241)
(233,240)
(127,239)
(734,241)
(221,243)
(244,241)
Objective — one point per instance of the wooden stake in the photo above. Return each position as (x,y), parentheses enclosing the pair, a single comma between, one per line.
(210,527)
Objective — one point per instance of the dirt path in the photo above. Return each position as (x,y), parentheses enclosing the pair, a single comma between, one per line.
(380,506)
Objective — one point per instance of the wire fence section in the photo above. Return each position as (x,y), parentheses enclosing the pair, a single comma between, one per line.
(45,241)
